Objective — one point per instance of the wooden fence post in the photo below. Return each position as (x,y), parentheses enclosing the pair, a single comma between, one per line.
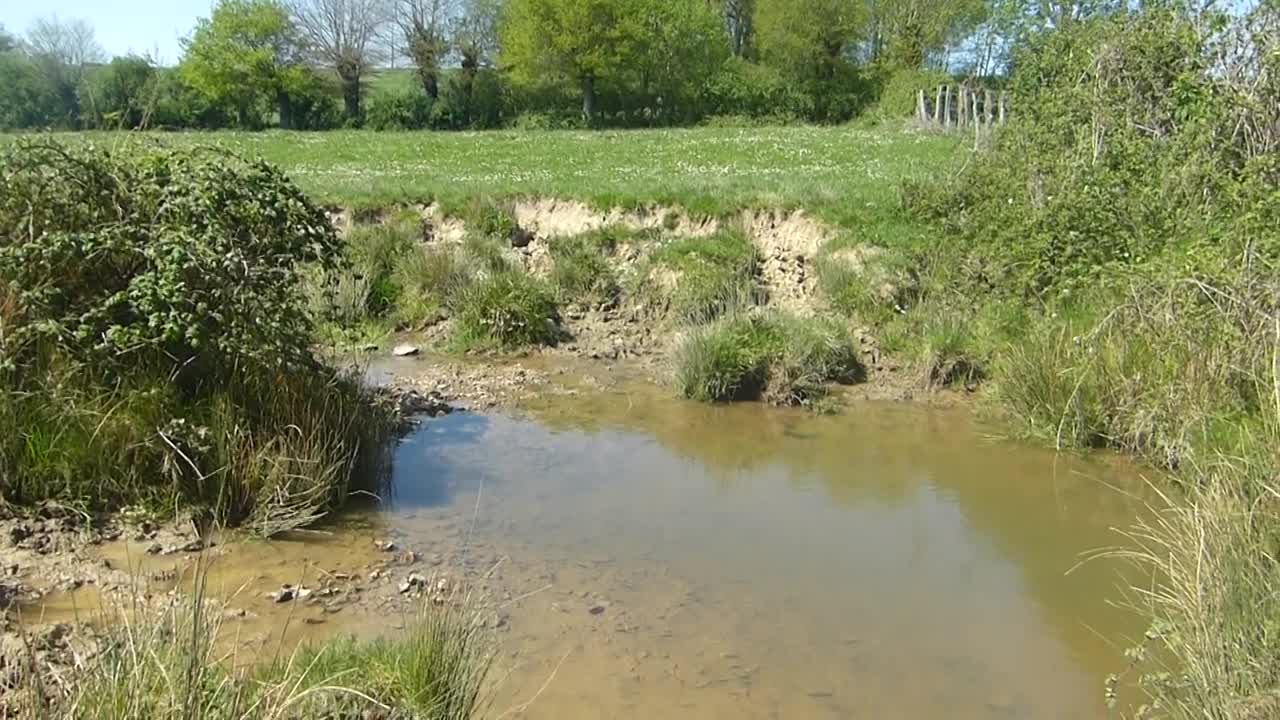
(946,106)
(922,108)
(937,107)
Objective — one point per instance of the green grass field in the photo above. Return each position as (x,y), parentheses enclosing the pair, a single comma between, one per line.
(845,175)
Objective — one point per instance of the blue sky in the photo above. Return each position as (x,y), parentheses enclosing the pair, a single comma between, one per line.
(121,26)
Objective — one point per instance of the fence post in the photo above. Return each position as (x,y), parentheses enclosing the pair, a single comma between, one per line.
(937,107)
(987,106)
(1002,107)
(922,108)
(962,108)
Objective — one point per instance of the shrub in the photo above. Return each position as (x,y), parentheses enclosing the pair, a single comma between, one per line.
(506,310)
(410,109)
(155,317)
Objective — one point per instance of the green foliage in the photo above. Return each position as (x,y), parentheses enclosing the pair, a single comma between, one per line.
(238,56)
(503,311)
(785,360)
(488,218)
(408,110)
(695,280)
(123,93)
(153,316)
(171,663)
(582,271)
(435,669)
(26,100)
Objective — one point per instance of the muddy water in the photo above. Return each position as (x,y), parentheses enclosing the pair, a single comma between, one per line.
(646,557)
(689,561)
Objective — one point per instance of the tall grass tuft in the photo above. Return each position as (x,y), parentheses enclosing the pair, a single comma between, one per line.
(782,359)
(696,280)
(504,311)
(175,663)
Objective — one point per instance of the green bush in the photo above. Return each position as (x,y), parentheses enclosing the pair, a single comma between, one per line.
(410,109)
(505,310)
(153,315)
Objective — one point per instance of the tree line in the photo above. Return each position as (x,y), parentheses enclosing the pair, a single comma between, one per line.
(317,64)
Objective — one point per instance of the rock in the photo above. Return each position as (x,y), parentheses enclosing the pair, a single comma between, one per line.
(599,608)
(521,238)
(413,582)
(285,594)
(385,545)
(18,533)
(155,549)
(405,350)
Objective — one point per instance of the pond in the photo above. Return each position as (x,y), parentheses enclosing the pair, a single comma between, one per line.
(683,560)
(644,557)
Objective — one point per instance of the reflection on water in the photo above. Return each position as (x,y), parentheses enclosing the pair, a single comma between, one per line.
(889,562)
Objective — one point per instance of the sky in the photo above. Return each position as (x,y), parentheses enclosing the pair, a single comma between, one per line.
(152,27)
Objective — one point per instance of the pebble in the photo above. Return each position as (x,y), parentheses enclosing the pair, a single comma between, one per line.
(405,350)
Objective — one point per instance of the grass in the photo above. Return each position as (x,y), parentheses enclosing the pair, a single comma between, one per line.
(582,267)
(844,175)
(696,280)
(779,358)
(171,663)
(504,311)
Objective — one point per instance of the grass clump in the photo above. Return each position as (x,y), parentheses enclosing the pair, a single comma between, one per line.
(504,311)
(171,663)
(696,280)
(489,218)
(156,343)
(782,359)
(582,271)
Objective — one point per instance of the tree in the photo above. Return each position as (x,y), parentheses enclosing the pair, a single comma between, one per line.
(343,34)
(681,44)
(739,22)
(583,40)
(424,24)
(807,38)
(122,92)
(238,57)
(61,51)
(904,33)
(7,41)
(474,34)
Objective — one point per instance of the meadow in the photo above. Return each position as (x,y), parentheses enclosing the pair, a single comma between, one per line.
(842,174)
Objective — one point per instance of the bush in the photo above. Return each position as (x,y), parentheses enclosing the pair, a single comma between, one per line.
(506,310)
(407,110)
(154,316)
(751,90)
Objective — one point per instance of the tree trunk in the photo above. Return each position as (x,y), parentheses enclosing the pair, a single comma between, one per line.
(351,96)
(431,84)
(589,98)
(285,104)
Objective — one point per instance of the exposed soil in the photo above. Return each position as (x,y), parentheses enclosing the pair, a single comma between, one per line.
(787,243)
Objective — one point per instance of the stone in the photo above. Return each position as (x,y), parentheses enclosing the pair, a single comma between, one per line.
(405,350)
(285,594)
